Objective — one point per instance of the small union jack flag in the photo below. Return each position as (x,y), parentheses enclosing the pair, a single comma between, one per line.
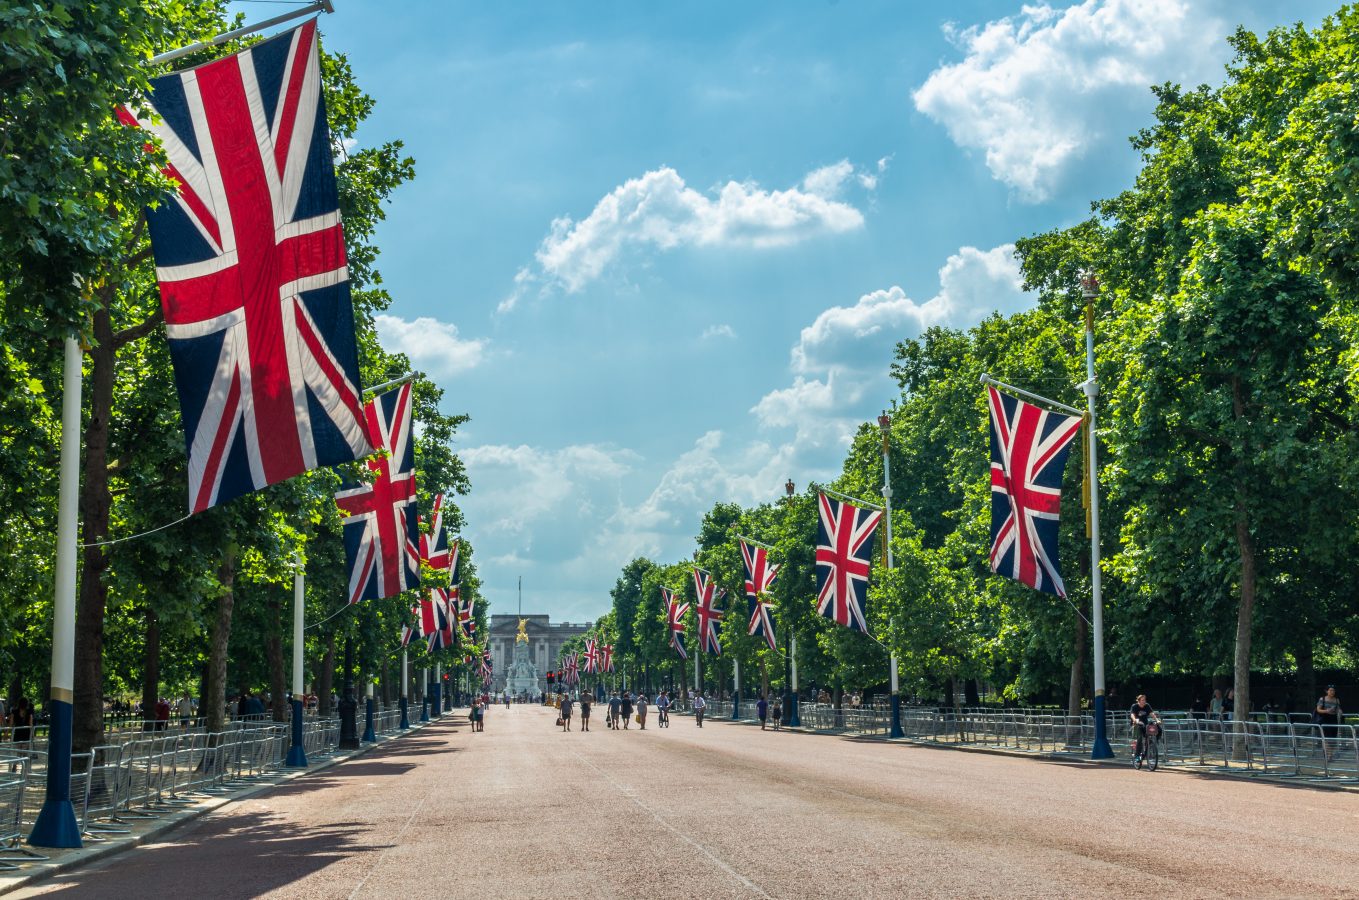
(434,548)
(674,614)
(606,658)
(1029,446)
(709,616)
(844,549)
(409,630)
(433,621)
(381,534)
(760,574)
(250,257)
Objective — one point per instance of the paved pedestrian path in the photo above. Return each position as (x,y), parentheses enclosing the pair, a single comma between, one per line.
(524,810)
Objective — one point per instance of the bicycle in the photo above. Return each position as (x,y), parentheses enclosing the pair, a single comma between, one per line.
(1149,744)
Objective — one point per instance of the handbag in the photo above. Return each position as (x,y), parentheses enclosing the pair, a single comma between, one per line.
(638,717)
(559,721)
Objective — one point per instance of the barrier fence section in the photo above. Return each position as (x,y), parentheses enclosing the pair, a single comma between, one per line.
(141,773)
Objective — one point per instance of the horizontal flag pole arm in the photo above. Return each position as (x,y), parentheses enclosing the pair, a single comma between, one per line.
(751,540)
(987,379)
(393,383)
(315,6)
(846,497)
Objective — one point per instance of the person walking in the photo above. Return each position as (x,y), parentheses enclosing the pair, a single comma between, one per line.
(699,706)
(1215,706)
(615,703)
(641,711)
(185,710)
(21,721)
(762,710)
(585,711)
(778,713)
(1327,714)
(625,708)
(565,712)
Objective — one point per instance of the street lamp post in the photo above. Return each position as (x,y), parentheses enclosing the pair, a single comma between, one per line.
(424,701)
(1100,749)
(405,687)
(349,727)
(885,424)
(790,716)
(369,735)
(297,754)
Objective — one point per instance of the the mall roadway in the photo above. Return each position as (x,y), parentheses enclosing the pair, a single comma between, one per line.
(523,810)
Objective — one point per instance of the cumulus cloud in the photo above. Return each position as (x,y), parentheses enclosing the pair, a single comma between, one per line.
(717,332)
(972,284)
(532,485)
(433,346)
(659,211)
(1035,91)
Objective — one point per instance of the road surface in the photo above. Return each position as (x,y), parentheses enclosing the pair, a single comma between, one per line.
(523,810)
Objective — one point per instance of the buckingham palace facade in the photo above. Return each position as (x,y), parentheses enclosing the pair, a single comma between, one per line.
(545,640)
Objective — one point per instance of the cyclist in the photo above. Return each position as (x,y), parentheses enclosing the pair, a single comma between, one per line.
(1139,715)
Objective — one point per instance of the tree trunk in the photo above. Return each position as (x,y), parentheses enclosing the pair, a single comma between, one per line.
(1307,674)
(273,650)
(1077,688)
(971,692)
(325,681)
(151,668)
(95,502)
(215,695)
(838,700)
(698,672)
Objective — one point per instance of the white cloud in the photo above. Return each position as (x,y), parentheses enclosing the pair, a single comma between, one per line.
(972,284)
(1035,91)
(531,485)
(827,181)
(433,346)
(660,211)
(714,332)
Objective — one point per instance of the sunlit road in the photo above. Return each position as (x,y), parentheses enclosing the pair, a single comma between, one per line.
(523,810)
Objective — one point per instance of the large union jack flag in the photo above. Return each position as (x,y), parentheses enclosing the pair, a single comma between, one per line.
(590,661)
(709,616)
(606,658)
(674,616)
(250,257)
(381,531)
(760,574)
(1028,455)
(844,549)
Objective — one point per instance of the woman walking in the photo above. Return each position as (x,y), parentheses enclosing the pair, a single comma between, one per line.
(625,709)
(778,713)
(641,711)
(585,711)
(565,712)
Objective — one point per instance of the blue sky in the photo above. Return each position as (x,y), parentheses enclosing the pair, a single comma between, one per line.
(661,253)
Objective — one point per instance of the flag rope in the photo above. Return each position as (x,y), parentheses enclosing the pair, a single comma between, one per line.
(332,615)
(132,537)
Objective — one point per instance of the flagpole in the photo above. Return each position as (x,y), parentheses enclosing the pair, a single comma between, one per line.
(1100,749)
(405,689)
(436,705)
(736,697)
(424,701)
(297,753)
(790,716)
(315,6)
(369,736)
(885,423)
(56,823)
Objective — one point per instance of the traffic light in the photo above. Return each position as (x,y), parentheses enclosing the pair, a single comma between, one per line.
(551,677)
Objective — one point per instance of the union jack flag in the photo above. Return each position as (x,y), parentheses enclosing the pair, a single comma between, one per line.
(409,630)
(674,614)
(1028,455)
(250,257)
(433,621)
(381,534)
(484,667)
(844,549)
(591,657)
(760,574)
(570,669)
(709,616)
(606,658)
(434,548)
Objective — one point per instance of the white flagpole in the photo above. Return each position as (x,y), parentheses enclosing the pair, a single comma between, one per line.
(1100,749)
(297,754)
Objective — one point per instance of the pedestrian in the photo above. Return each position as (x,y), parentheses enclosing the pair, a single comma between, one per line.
(1215,706)
(162,714)
(1327,714)
(625,708)
(663,710)
(641,711)
(1228,705)
(585,711)
(185,710)
(699,706)
(762,710)
(21,721)
(566,712)
(615,703)
(778,713)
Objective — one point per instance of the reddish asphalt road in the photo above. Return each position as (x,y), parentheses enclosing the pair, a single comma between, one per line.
(523,810)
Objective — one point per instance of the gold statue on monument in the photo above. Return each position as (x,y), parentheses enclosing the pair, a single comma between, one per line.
(522,636)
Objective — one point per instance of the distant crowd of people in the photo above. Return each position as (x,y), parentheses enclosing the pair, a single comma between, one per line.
(623,709)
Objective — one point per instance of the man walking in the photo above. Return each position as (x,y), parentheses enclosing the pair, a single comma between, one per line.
(699,706)
(614,704)
(762,710)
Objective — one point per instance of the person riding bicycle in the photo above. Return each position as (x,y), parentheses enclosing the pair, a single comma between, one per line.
(1139,715)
